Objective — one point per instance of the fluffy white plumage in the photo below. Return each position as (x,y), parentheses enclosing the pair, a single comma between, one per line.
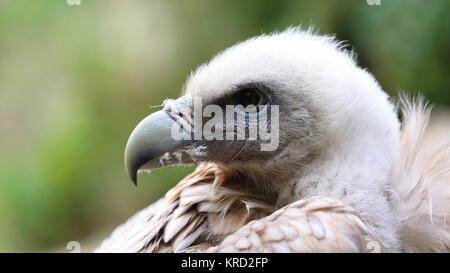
(345,155)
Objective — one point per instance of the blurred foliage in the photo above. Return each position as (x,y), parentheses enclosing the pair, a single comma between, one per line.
(75,80)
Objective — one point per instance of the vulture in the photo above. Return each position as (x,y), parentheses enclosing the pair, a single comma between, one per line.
(351,172)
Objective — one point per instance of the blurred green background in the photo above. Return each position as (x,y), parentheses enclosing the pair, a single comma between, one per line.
(75,80)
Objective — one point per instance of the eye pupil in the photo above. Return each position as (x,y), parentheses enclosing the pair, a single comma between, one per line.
(248,97)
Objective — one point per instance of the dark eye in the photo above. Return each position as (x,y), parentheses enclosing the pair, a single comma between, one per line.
(249,96)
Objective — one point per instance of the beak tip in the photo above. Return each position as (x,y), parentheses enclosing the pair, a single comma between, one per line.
(133,177)
(131,171)
(149,140)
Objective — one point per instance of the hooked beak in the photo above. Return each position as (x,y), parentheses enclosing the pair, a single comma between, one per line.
(150,140)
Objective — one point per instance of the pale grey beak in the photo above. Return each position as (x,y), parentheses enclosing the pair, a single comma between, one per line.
(150,140)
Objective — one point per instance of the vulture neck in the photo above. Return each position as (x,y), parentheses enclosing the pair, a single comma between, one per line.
(353,166)
(353,162)
(356,171)
(353,169)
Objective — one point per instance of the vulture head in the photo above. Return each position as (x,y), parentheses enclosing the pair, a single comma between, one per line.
(332,118)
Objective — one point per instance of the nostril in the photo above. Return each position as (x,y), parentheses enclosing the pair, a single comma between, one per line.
(167,108)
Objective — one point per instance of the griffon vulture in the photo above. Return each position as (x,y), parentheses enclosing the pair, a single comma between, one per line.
(346,176)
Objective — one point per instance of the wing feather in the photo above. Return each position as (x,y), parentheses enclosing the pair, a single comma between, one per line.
(316,224)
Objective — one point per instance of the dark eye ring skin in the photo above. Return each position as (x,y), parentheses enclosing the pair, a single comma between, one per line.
(249,96)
